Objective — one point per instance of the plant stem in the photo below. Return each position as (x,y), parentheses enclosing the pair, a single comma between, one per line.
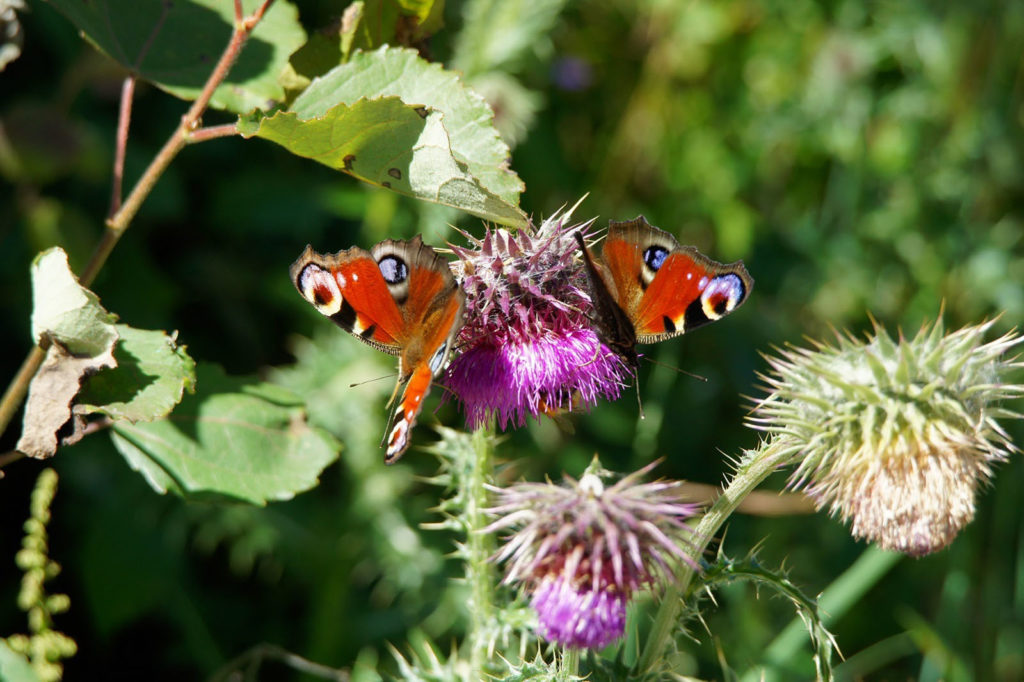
(212,132)
(119,222)
(121,218)
(569,664)
(124,117)
(17,389)
(480,547)
(756,467)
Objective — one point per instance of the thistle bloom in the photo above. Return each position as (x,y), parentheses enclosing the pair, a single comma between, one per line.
(894,437)
(528,345)
(582,550)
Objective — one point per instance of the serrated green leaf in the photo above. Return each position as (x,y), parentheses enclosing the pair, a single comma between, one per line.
(475,144)
(175,45)
(65,311)
(390,144)
(235,438)
(14,667)
(151,376)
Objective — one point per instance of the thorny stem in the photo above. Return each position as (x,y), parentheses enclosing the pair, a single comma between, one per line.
(119,221)
(480,547)
(756,467)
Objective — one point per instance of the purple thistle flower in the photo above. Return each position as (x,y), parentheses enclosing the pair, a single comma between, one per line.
(527,342)
(582,550)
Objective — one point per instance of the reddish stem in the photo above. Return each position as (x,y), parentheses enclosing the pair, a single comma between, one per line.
(123,121)
(212,132)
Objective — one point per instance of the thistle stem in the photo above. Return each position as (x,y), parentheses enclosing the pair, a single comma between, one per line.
(569,667)
(756,467)
(480,548)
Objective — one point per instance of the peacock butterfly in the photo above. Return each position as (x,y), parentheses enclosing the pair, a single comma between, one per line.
(648,288)
(401,298)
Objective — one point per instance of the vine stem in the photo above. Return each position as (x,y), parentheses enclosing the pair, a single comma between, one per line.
(480,546)
(755,468)
(121,218)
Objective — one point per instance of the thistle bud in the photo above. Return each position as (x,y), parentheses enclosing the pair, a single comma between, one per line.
(894,436)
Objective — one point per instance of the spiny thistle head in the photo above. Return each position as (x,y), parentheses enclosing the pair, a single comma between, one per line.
(528,345)
(894,436)
(581,550)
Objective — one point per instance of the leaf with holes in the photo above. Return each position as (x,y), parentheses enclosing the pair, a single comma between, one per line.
(388,143)
(175,45)
(235,439)
(475,144)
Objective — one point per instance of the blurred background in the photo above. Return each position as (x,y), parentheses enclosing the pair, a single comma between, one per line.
(862,158)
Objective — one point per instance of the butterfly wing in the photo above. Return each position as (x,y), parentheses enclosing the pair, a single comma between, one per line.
(666,289)
(400,298)
(350,289)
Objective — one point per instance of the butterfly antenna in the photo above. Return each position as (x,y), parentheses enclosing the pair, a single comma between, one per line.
(370,381)
(676,369)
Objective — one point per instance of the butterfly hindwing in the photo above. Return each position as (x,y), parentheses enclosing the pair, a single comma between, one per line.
(400,298)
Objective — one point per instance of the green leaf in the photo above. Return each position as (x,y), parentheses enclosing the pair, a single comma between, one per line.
(175,45)
(65,311)
(390,144)
(235,438)
(151,376)
(475,144)
(14,667)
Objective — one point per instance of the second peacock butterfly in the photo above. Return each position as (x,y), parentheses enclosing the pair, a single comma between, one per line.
(646,287)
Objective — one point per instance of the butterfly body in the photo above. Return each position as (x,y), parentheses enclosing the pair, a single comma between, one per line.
(647,287)
(400,298)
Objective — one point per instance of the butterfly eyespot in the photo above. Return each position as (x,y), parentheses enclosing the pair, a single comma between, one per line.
(722,294)
(394,269)
(318,286)
(654,257)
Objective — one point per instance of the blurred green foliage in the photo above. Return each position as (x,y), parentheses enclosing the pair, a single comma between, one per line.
(861,157)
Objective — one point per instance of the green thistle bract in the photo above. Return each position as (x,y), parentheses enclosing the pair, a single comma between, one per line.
(894,436)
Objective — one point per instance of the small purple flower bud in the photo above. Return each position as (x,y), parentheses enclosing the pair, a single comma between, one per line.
(582,550)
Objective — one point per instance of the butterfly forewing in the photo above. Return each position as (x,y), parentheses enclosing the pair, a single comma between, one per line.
(349,288)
